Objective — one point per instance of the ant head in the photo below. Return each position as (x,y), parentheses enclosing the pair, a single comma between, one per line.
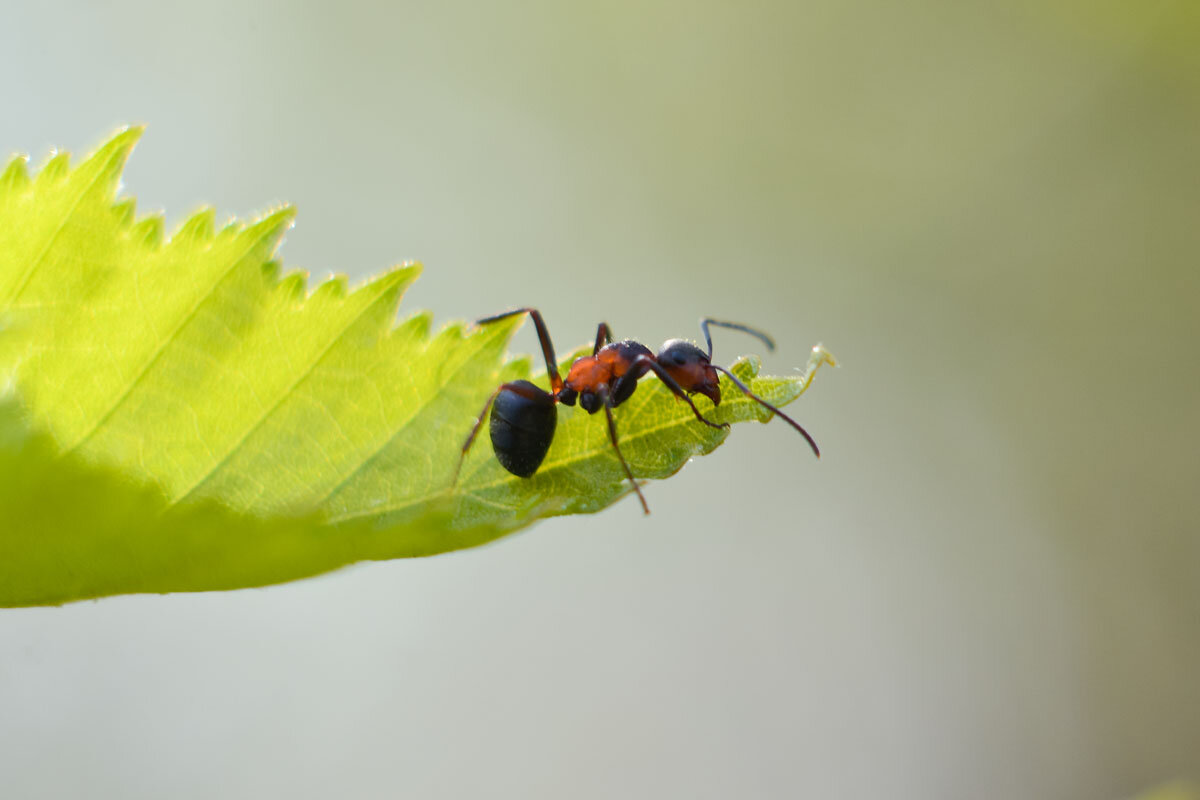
(690,367)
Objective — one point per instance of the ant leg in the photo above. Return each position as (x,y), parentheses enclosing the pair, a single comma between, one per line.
(746,391)
(475,432)
(603,337)
(612,435)
(556,383)
(704,323)
(676,389)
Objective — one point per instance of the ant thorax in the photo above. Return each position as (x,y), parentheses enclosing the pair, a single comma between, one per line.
(591,378)
(590,373)
(620,356)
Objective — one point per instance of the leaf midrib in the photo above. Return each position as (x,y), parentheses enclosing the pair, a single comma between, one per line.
(552,466)
(420,409)
(630,410)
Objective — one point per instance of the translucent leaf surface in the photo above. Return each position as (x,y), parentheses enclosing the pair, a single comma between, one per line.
(180,416)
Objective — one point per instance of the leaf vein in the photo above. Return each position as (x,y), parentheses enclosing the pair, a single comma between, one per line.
(158,353)
(420,407)
(550,466)
(36,264)
(284,396)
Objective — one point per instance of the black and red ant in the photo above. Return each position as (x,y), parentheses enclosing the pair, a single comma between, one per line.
(524,416)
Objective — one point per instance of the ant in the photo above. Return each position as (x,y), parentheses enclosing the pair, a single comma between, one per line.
(524,416)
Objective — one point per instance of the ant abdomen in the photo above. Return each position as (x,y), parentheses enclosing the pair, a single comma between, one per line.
(522,426)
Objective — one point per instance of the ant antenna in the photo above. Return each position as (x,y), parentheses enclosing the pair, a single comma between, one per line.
(762,337)
(746,391)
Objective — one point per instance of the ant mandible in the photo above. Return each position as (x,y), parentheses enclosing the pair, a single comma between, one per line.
(524,416)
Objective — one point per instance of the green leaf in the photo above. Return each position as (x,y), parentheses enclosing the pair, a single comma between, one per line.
(182,417)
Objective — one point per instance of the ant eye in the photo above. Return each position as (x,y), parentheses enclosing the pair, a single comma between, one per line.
(679,358)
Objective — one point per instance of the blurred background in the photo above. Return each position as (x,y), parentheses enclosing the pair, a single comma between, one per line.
(987,588)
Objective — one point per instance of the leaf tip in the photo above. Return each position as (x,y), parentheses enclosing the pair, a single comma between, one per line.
(293,285)
(16,174)
(415,326)
(198,227)
(103,168)
(284,216)
(821,356)
(148,230)
(396,279)
(271,227)
(411,269)
(274,220)
(119,145)
(333,287)
(125,211)
(57,165)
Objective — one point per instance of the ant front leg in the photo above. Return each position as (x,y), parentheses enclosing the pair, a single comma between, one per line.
(639,367)
(746,391)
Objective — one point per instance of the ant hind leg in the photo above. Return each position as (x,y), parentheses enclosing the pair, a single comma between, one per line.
(475,432)
(556,382)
